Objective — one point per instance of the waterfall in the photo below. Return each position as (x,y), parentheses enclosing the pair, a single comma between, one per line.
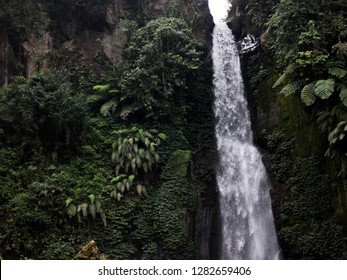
(247,226)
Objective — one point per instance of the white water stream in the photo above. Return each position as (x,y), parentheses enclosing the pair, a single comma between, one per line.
(247,226)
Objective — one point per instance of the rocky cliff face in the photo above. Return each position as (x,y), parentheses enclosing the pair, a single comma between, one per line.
(82,30)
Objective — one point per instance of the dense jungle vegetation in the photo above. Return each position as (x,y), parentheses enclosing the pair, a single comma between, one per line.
(301,72)
(106,155)
(123,153)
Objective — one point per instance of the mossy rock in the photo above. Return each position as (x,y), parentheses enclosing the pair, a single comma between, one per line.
(179,162)
(89,252)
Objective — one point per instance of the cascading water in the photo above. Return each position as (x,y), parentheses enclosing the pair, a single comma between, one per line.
(247,227)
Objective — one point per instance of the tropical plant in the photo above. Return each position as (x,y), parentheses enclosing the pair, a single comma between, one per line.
(135,155)
(42,111)
(83,210)
(261,11)
(158,60)
(135,150)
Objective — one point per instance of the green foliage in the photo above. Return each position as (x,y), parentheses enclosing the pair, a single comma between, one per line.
(177,197)
(285,77)
(306,41)
(42,112)
(306,217)
(135,150)
(319,240)
(58,182)
(173,9)
(83,210)
(291,88)
(260,11)
(336,68)
(308,94)
(324,88)
(135,155)
(159,59)
(179,162)
(343,95)
(18,18)
(293,28)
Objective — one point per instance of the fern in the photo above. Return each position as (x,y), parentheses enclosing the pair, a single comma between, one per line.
(337,68)
(127,110)
(338,134)
(337,72)
(291,88)
(307,94)
(340,49)
(324,88)
(108,108)
(285,76)
(343,94)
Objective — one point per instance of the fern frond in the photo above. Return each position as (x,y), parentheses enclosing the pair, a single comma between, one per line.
(338,133)
(324,88)
(284,78)
(127,110)
(336,68)
(340,49)
(307,94)
(337,72)
(108,108)
(343,94)
(291,88)
(339,112)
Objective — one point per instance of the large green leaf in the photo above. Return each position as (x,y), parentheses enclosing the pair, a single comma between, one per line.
(92,210)
(92,198)
(337,72)
(307,94)
(84,209)
(343,95)
(285,76)
(108,108)
(291,88)
(68,201)
(337,68)
(131,178)
(324,88)
(71,210)
(101,88)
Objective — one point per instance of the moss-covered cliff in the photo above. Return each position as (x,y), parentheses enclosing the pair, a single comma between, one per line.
(308,185)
